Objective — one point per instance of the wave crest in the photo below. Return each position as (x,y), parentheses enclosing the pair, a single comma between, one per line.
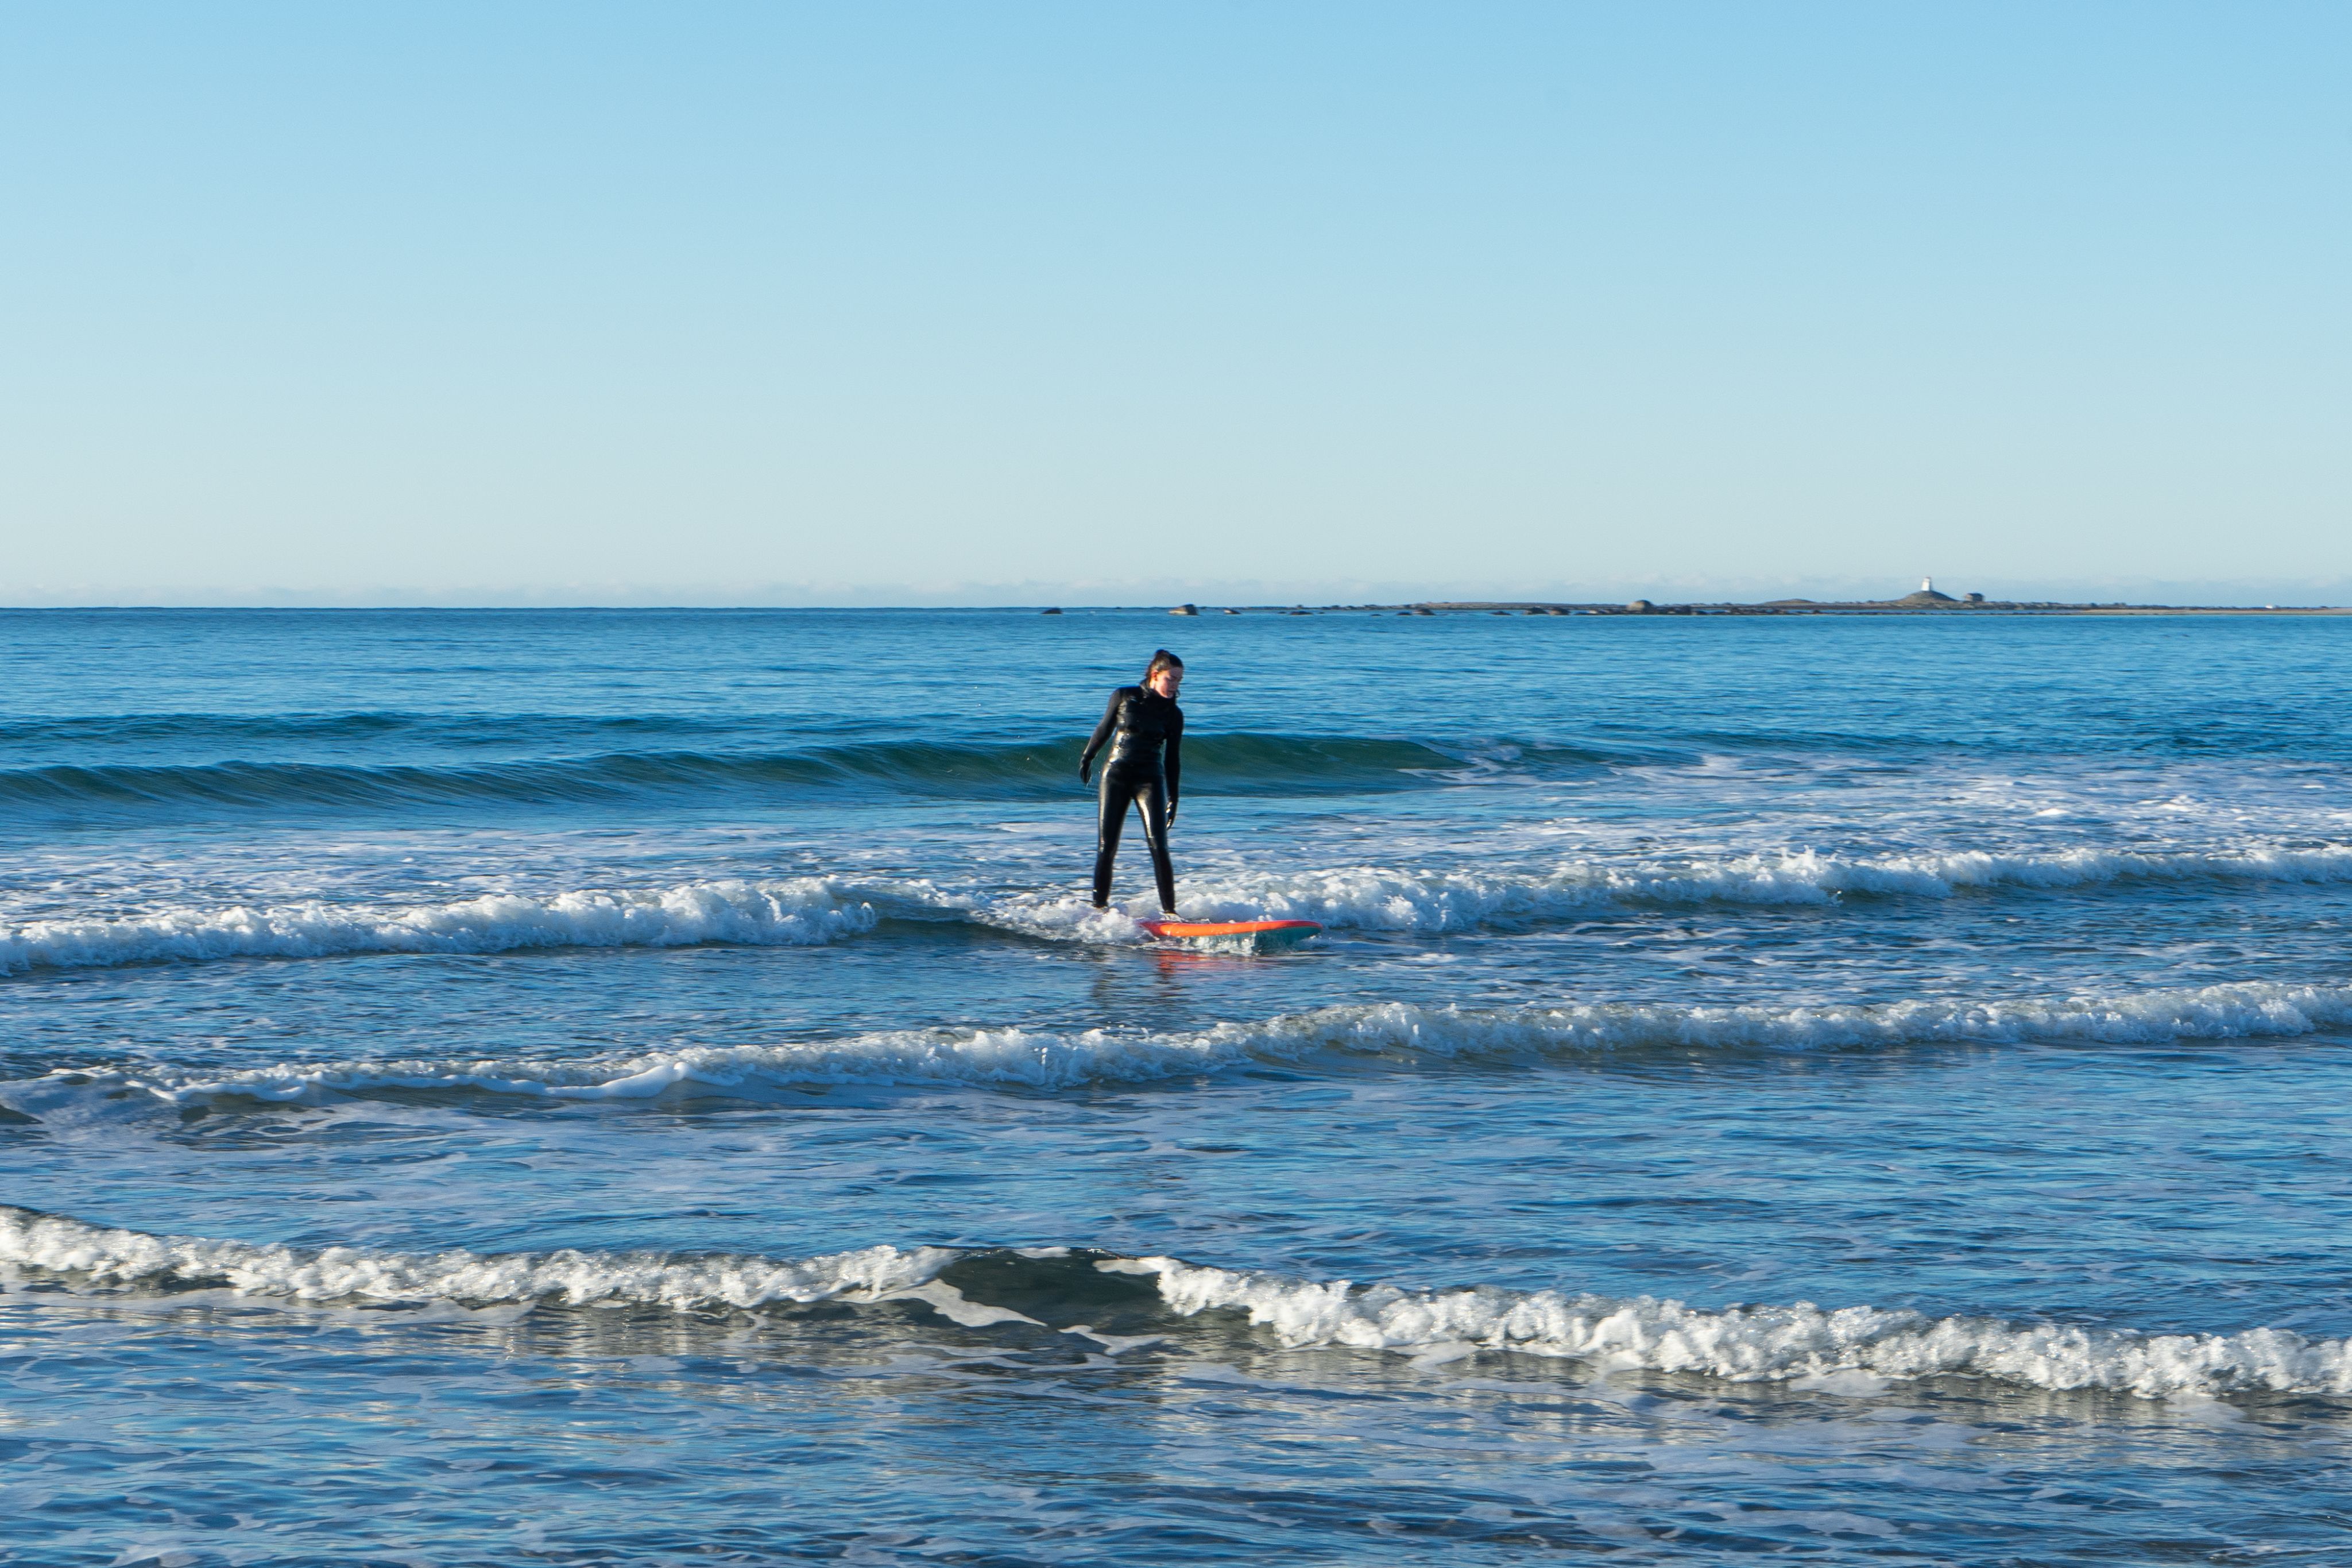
(1383,899)
(1047,1060)
(1242,764)
(1797,1343)
(1756,1344)
(801,911)
(134,1258)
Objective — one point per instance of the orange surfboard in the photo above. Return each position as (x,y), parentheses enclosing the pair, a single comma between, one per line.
(1264,933)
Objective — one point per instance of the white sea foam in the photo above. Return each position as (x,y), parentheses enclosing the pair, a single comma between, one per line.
(102,1256)
(806,911)
(1849,1349)
(796,912)
(1044,1059)
(1825,1348)
(1374,898)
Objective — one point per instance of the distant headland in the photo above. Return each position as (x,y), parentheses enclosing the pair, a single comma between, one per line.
(1925,601)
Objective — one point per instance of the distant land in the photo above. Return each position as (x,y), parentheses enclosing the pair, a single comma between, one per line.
(1926,601)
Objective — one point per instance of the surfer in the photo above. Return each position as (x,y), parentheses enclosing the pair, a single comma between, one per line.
(1146,731)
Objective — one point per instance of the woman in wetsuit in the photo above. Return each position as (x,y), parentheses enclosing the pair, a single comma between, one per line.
(1146,731)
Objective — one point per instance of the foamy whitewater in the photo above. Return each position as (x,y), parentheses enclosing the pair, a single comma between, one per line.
(1405,1036)
(638,1087)
(1800,1342)
(808,910)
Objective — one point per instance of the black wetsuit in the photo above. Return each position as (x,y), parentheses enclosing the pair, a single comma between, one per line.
(1145,732)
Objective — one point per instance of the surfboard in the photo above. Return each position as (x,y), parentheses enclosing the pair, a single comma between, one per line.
(1260,933)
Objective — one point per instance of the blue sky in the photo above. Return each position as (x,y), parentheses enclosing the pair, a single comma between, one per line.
(712,303)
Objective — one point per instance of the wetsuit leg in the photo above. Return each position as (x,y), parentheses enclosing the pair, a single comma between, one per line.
(1110,819)
(1152,795)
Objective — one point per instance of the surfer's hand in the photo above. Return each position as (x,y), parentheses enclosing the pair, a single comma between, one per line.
(1085,766)
(1171,813)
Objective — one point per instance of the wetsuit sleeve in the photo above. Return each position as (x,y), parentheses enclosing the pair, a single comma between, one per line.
(1102,733)
(1175,765)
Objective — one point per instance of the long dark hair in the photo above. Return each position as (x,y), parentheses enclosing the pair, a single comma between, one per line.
(1161,660)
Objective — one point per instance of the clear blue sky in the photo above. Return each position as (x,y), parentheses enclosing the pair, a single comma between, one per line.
(766,303)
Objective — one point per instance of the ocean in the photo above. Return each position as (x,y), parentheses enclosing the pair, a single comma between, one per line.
(585,1087)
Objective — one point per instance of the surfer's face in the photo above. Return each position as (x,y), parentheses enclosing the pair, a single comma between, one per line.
(1165,682)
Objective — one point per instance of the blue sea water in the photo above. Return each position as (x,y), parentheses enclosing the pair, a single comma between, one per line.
(584,1087)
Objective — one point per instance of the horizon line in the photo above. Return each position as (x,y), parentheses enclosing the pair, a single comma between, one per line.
(1190,608)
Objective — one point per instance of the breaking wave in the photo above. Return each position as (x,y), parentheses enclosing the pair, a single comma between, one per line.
(802,910)
(1848,1349)
(1792,1343)
(100,1257)
(1372,898)
(1360,1034)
